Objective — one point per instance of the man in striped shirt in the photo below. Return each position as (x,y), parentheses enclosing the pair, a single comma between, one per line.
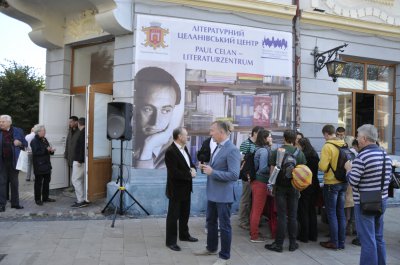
(365,174)
(248,146)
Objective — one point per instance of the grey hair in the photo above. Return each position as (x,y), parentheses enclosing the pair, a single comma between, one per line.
(6,117)
(176,132)
(37,128)
(226,126)
(369,131)
(348,139)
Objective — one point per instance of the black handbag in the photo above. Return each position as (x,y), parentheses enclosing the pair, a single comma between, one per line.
(371,201)
(395,180)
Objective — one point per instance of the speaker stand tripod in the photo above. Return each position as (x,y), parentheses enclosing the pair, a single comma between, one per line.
(121,190)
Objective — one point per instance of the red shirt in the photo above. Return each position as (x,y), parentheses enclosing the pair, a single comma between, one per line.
(7,144)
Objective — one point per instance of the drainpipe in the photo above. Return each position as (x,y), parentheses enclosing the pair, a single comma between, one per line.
(297,65)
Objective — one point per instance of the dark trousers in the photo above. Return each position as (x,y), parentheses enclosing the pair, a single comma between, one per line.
(177,210)
(9,177)
(286,204)
(42,183)
(307,217)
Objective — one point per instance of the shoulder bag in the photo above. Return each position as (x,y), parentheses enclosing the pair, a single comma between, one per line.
(371,201)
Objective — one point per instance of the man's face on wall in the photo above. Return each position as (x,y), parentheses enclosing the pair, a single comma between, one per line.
(155,108)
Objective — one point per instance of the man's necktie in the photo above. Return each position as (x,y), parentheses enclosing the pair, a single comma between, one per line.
(215,150)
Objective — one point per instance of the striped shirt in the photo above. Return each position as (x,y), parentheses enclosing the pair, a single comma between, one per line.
(366,172)
(248,146)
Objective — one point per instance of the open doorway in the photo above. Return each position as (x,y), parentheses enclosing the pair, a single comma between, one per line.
(365,105)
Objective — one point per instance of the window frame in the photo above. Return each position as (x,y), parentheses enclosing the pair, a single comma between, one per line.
(365,91)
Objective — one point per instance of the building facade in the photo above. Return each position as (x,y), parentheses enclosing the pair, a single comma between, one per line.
(192,62)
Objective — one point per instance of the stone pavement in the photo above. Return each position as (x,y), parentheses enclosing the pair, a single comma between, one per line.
(142,242)
(61,209)
(57,234)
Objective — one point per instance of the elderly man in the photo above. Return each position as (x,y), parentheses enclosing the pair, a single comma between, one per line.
(222,174)
(366,174)
(11,141)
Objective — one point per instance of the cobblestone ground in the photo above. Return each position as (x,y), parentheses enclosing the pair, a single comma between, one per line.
(57,234)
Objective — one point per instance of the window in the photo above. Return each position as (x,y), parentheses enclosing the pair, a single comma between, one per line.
(353,76)
(366,97)
(93,64)
(346,110)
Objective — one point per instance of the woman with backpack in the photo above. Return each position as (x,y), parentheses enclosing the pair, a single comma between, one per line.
(306,213)
(259,183)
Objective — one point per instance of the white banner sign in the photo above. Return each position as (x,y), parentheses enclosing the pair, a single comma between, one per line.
(214,46)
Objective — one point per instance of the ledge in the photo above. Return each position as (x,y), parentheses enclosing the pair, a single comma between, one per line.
(256,7)
(340,22)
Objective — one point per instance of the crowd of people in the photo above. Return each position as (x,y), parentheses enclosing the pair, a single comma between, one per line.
(39,150)
(286,208)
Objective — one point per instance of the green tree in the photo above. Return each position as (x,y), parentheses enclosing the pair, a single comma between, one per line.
(20,87)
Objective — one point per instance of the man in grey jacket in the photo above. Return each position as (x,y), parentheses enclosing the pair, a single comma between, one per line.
(222,174)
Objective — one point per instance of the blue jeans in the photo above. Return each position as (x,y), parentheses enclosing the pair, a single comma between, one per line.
(370,232)
(219,212)
(334,205)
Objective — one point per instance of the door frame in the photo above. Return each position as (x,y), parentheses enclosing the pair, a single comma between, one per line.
(98,170)
(59,163)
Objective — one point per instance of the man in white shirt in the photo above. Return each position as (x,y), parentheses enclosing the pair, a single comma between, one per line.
(180,172)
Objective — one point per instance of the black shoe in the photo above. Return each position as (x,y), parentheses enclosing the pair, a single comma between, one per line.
(274,247)
(189,239)
(328,244)
(2,208)
(174,247)
(49,200)
(18,207)
(39,202)
(293,247)
(356,241)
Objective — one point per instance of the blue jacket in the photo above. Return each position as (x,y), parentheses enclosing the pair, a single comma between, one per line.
(261,164)
(18,134)
(226,167)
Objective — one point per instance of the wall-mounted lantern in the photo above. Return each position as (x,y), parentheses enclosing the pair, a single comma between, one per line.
(335,67)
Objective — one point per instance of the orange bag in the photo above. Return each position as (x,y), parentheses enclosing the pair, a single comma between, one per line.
(301,177)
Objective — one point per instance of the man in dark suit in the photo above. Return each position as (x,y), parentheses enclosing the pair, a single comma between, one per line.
(180,171)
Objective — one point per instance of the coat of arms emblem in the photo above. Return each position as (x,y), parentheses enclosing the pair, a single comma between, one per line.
(155,35)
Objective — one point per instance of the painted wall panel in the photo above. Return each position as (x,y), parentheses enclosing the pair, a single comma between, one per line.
(318,115)
(123,72)
(123,56)
(319,86)
(123,89)
(124,41)
(323,102)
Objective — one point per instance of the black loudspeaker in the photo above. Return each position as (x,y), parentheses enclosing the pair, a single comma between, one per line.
(119,116)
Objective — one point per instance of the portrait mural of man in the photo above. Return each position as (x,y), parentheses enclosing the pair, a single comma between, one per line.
(158,111)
